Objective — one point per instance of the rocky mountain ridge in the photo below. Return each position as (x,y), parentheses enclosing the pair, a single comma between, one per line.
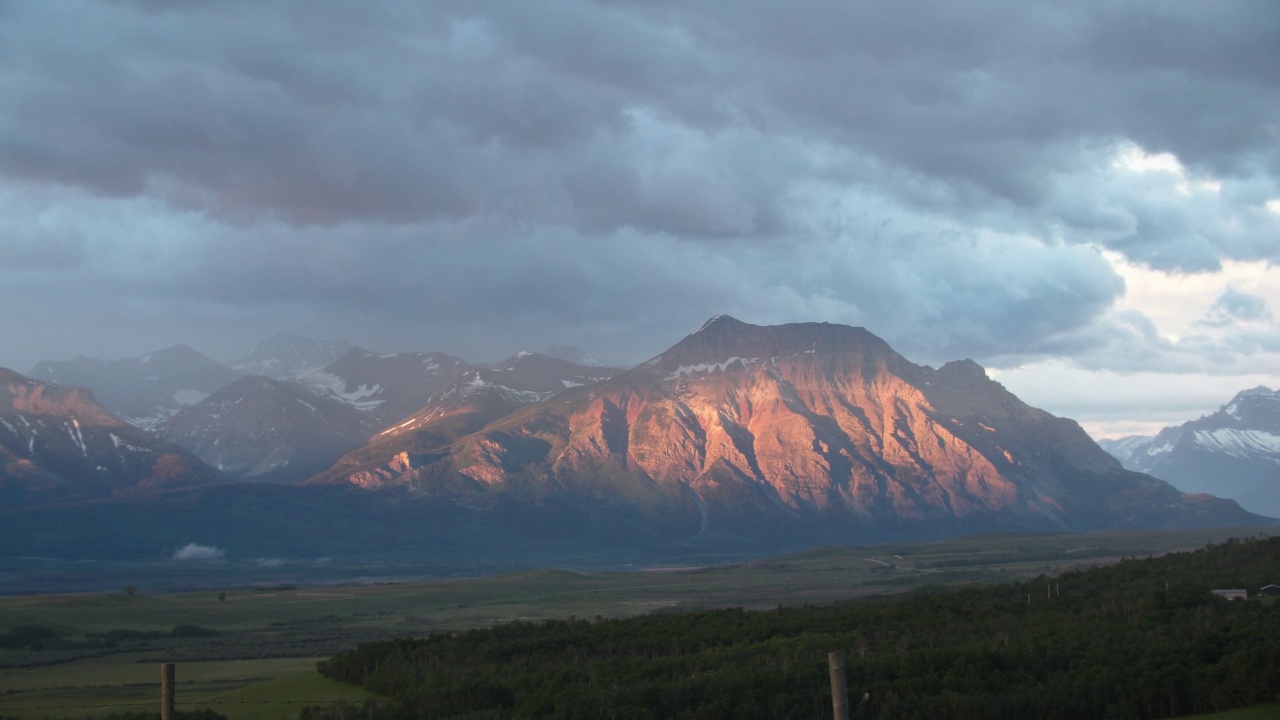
(258,429)
(386,388)
(809,428)
(145,391)
(1233,452)
(477,397)
(58,444)
(738,439)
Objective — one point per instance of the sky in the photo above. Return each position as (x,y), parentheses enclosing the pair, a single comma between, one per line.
(1082,197)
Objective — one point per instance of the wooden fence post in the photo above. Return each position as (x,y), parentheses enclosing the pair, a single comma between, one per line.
(839,688)
(166,691)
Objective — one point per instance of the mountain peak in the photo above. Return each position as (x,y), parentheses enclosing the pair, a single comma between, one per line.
(749,430)
(723,338)
(967,369)
(1259,391)
(719,322)
(1232,452)
(1252,406)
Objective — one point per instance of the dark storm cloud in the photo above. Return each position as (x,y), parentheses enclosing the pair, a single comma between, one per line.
(590,172)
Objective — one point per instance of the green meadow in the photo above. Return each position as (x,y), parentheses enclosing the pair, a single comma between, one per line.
(250,652)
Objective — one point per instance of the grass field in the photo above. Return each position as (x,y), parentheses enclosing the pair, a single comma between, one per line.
(125,682)
(262,662)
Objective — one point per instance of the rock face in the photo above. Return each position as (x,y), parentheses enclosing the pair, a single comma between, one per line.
(1233,453)
(144,391)
(805,432)
(479,396)
(261,430)
(385,388)
(58,445)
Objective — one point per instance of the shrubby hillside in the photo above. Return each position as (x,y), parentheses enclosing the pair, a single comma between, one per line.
(1144,638)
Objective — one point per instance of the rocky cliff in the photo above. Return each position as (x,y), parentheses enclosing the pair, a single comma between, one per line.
(807,430)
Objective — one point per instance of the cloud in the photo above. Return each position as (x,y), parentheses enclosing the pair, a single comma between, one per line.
(1001,180)
(1233,305)
(192,551)
(1124,403)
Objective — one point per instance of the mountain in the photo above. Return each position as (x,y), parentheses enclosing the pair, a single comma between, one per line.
(263,430)
(787,435)
(478,397)
(386,388)
(144,391)
(1233,452)
(57,444)
(285,356)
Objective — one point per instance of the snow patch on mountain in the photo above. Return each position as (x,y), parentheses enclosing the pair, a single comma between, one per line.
(709,367)
(119,442)
(476,384)
(1240,443)
(714,319)
(151,423)
(76,436)
(362,398)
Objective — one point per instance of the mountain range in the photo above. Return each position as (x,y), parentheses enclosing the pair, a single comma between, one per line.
(807,429)
(738,437)
(264,430)
(1233,452)
(144,391)
(58,444)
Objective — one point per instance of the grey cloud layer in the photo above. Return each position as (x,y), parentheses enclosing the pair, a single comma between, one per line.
(613,173)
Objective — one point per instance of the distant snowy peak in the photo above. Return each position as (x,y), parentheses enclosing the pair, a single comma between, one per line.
(1258,444)
(285,356)
(262,430)
(527,378)
(1125,447)
(386,387)
(1255,407)
(476,382)
(1233,452)
(145,391)
(488,392)
(714,320)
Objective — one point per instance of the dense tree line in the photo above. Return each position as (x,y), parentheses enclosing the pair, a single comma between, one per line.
(1143,638)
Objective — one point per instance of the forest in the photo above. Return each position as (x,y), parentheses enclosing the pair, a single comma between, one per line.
(1142,638)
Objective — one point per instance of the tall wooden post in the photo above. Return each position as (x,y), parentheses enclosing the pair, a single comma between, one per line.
(166,691)
(839,688)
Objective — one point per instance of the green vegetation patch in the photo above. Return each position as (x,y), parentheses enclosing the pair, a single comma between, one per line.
(1142,638)
(105,648)
(1261,712)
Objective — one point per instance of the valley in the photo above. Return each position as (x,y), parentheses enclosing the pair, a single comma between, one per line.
(268,636)
(249,526)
